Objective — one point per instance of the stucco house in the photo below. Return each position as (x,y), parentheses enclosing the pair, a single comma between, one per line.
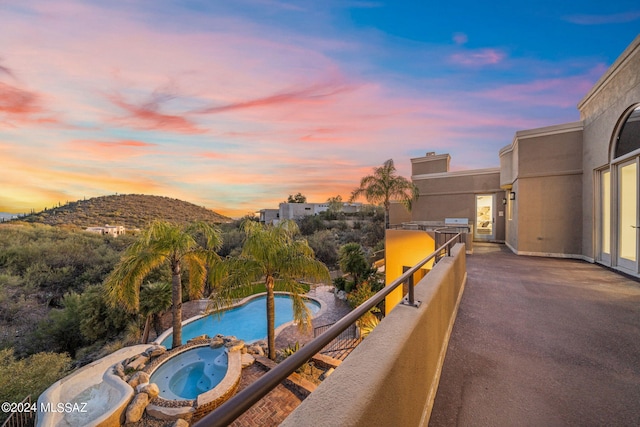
(570,190)
(300,210)
(112,230)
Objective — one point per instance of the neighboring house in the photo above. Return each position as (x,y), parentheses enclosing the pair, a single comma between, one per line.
(570,190)
(269,216)
(113,230)
(300,210)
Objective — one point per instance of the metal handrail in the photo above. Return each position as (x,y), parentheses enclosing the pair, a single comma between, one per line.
(246,398)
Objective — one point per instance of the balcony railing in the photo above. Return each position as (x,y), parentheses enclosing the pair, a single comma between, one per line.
(241,402)
(25,418)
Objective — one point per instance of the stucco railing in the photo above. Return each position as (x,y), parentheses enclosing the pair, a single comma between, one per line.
(391,378)
(397,365)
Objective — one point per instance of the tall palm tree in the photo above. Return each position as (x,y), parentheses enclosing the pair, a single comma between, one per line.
(192,248)
(272,254)
(385,185)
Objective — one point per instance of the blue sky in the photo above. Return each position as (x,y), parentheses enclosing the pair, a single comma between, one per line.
(235,105)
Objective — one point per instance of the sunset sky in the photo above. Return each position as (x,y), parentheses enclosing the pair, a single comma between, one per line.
(234,105)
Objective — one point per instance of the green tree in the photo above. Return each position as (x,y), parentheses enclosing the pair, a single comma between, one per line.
(298,198)
(274,255)
(61,330)
(155,299)
(98,320)
(324,247)
(353,261)
(192,248)
(335,204)
(385,185)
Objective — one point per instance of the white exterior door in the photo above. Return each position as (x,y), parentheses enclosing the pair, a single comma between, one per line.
(485,220)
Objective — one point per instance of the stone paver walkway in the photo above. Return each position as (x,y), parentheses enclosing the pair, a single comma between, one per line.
(335,309)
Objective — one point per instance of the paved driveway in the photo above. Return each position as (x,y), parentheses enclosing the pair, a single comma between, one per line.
(541,342)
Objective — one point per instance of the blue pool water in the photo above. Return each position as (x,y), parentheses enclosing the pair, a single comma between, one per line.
(191,373)
(247,322)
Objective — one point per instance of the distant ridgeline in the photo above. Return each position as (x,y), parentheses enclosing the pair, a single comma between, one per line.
(128,210)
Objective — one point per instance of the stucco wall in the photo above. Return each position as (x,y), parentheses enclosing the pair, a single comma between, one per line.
(398,214)
(453,195)
(391,378)
(601,110)
(543,167)
(549,216)
(512,222)
(430,164)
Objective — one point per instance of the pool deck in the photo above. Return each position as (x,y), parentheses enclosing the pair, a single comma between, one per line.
(541,342)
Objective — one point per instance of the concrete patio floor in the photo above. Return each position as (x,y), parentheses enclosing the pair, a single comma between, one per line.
(541,342)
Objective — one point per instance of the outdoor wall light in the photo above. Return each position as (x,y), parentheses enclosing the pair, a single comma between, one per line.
(512,195)
(504,200)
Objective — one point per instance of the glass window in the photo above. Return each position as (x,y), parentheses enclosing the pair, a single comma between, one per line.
(628,205)
(629,138)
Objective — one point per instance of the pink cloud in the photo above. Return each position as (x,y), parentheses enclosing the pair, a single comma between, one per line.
(107,150)
(315,92)
(479,57)
(22,107)
(212,155)
(558,92)
(148,116)
(460,38)
(18,101)
(615,18)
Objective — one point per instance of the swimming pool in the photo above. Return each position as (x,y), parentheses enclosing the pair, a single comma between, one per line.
(247,321)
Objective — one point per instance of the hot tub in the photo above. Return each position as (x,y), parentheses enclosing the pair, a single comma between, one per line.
(191,373)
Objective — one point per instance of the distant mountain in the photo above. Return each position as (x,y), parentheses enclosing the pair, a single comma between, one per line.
(4,216)
(129,210)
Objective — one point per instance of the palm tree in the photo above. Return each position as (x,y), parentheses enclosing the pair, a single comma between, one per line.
(191,248)
(383,186)
(353,261)
(155,300)
(272,254)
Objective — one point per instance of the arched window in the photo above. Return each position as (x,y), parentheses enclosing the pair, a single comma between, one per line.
(629,136)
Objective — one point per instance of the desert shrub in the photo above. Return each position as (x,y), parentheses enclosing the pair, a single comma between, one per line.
(310,224)
(231,243)
(325,247)
(340,283)
(29,376)
(98,319)
(60,331)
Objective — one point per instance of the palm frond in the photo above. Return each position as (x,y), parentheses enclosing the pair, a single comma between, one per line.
(195,263)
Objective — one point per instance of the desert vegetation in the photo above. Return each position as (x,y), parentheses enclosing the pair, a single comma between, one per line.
(130,210)
(57,314)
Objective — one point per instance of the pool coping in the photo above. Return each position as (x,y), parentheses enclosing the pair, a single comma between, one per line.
(163,408)
(323,309)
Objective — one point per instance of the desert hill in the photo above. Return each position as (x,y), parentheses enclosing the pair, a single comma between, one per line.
(129,210)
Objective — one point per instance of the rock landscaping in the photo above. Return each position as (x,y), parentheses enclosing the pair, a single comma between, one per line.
(136,371)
